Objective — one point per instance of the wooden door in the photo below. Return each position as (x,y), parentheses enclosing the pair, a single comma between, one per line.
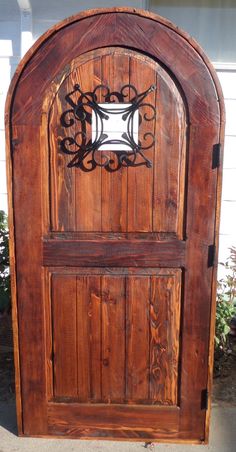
(112,250)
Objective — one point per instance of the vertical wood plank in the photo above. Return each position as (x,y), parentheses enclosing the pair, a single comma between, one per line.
(137,345)
(113,339)
(64,335)
(115,74)
(62,178)
(27,211)
(140,179)
(89,338)
(88,184)
(170,152)
(95,315)
(164,338)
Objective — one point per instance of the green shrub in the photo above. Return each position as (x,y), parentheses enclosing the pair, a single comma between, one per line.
(4,264)
(226,302)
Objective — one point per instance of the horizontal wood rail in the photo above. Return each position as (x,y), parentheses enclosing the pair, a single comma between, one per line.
(117,253)
(80,419)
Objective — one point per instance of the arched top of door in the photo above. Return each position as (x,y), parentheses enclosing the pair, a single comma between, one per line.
(132,28)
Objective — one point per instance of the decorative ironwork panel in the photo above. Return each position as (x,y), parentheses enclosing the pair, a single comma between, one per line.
(85,148)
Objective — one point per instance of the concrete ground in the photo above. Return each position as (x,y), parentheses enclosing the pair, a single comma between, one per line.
(222,438)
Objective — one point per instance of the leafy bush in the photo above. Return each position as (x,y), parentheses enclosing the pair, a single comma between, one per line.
(4,264)
(226,302)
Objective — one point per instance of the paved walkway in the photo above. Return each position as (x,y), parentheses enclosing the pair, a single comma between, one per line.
(222,438)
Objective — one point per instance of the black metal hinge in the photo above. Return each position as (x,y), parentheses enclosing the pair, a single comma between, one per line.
(204,399)
(211,255)
(216,155)
(15,142)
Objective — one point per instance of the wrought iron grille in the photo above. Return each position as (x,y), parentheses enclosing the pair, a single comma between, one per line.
(84,149)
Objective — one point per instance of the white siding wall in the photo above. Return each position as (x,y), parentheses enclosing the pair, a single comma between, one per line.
(228,206)
(212,22)
(9,58)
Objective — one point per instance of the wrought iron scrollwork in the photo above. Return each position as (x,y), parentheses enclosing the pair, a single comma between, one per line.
(85,150)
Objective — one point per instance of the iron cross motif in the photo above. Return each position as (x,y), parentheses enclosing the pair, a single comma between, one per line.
(85,147)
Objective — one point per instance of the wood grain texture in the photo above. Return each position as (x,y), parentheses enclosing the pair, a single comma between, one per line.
(113,339)
(160,40)
(147,199)
(105,342)
(114,253)
(29,283)
(165,337)
(115,75)
(137,340)
(141,422)
(64,336)
(140,181)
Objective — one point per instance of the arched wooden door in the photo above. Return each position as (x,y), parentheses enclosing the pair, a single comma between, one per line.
(113,224)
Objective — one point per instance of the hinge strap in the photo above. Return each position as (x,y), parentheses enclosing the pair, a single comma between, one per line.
(211,255)
(204,399)
(216,155)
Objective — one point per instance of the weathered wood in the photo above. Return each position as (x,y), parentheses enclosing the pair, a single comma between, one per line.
(29,284)
(123,252)
(64,335)
(65,418)
(93,250)
(113,339)
(144,200)
(138,301)
(165,337)
(115,75)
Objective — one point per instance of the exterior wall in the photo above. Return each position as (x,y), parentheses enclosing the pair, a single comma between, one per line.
(211,22)
(9,58)
(228,206)
(44,18)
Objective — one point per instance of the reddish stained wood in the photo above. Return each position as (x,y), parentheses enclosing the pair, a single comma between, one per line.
(140,181)
(164,338)
(161,40)
(123,252)
(147,36)
(113,339)
(195,341)
(95,315)
(64,417)
(115,75)
(88,184)
(64,335)
(27,211)
(83,338)
(169,165)
(62,178)
(137,368)
(156,202)
(89,338)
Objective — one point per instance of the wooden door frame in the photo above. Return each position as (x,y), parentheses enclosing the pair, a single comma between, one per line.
(189,62)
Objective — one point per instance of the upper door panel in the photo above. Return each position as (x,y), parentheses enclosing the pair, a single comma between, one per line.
(125,199)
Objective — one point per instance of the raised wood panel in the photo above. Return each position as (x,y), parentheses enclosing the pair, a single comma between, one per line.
(131,199)
(115,337)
